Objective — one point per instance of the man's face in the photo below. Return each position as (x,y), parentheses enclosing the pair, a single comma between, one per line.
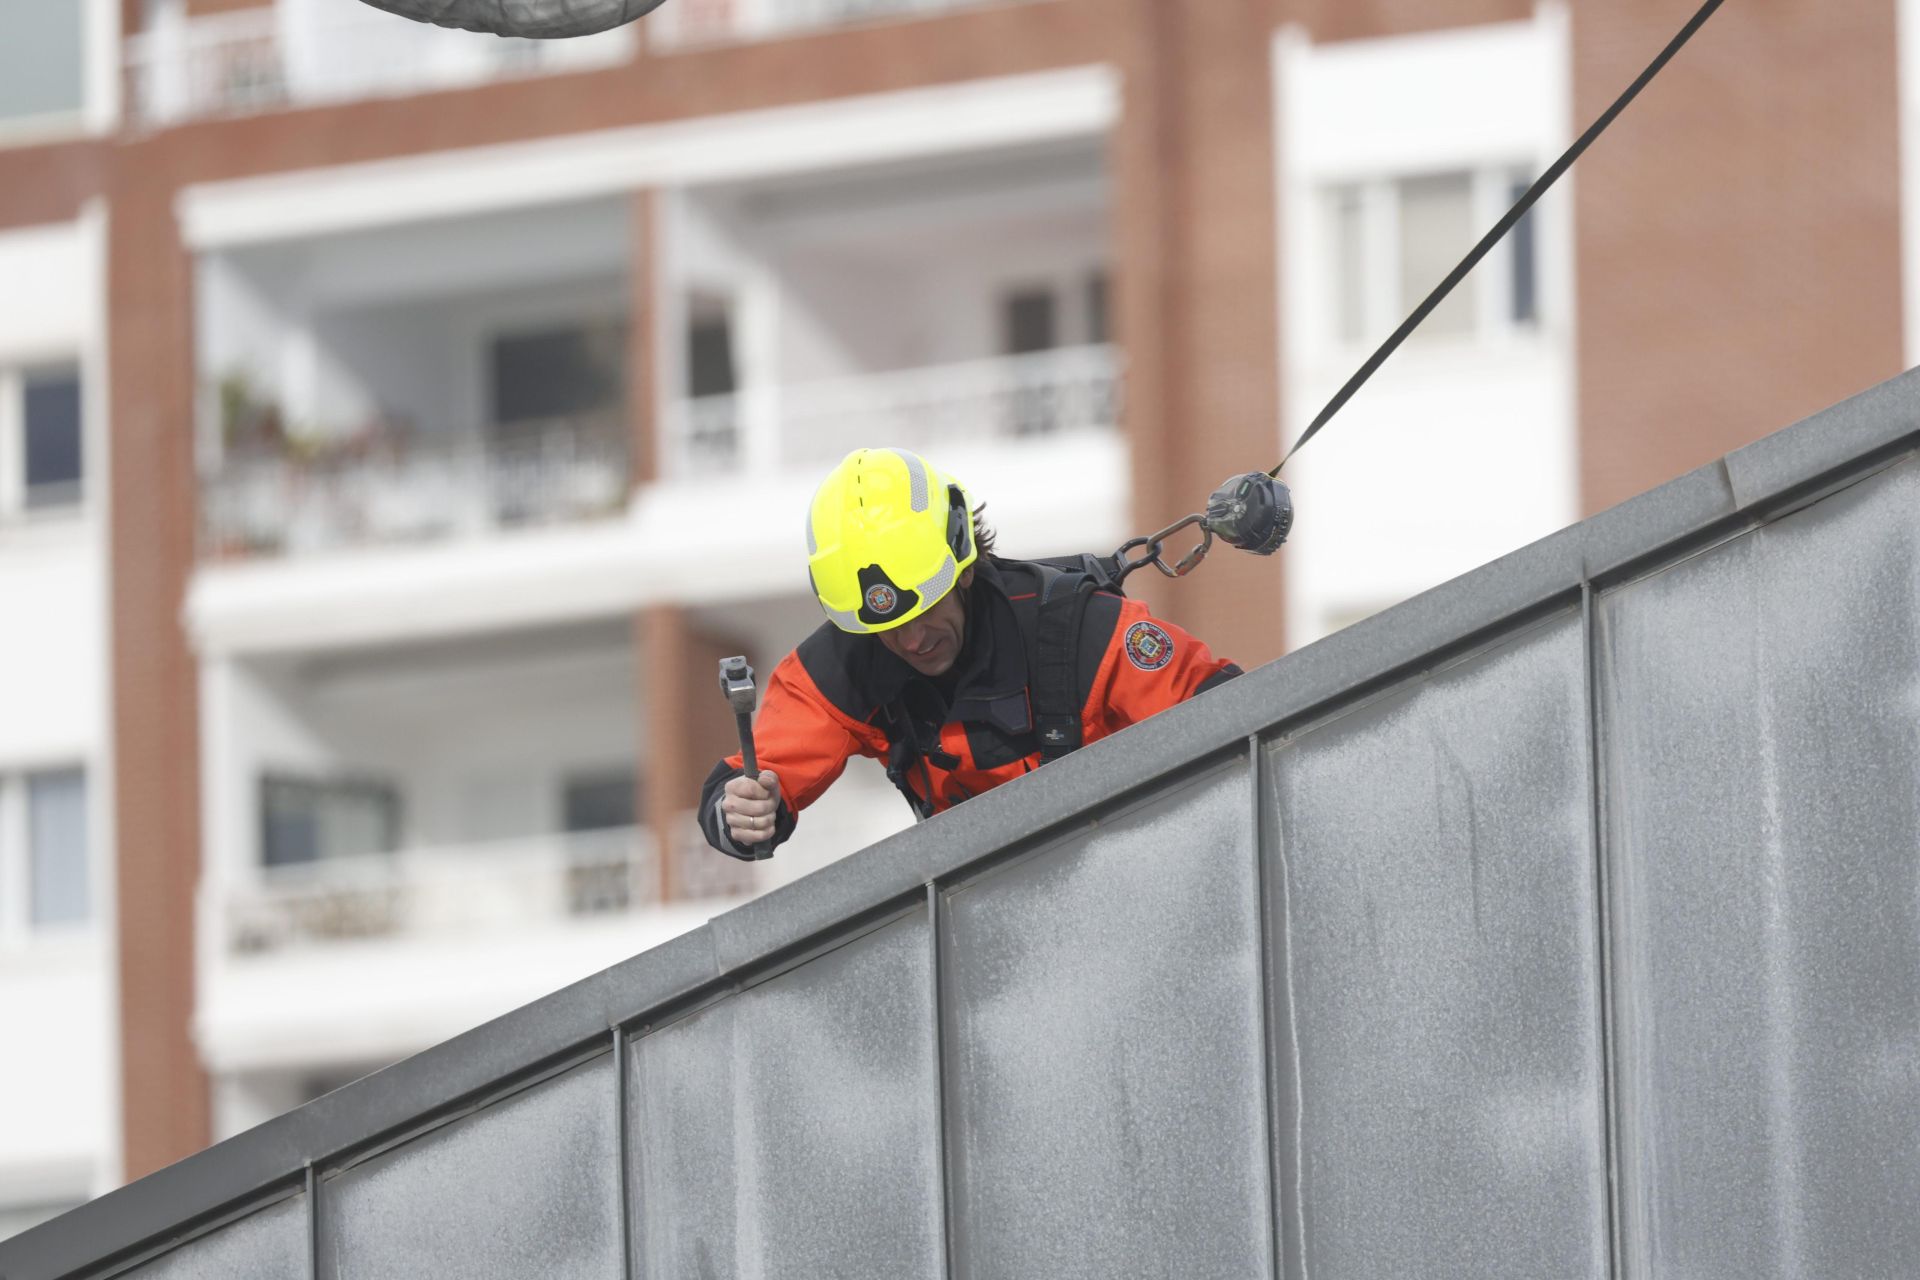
(930,644)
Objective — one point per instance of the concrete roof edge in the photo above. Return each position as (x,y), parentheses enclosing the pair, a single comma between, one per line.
(1525,584)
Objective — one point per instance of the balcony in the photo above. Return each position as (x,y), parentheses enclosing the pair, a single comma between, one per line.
(498,887)
(1008,399)
(689,24)
(290,55)
(375,490)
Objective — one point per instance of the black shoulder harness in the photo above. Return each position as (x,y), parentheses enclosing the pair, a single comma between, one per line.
(1059,672)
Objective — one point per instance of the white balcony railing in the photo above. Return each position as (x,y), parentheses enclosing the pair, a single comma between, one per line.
(248,61)
(565,471)
(1008,398)
(495,888)
(687,24)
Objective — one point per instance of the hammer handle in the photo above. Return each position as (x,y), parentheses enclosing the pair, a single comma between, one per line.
(751,768)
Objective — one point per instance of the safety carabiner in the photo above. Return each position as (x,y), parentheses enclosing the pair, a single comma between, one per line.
(1156,544)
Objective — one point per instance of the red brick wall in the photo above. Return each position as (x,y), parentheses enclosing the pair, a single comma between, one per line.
(1329,20)
(643,340)
(49,183)
(155,709)
(1737,229)
(202,8)
(1194,208)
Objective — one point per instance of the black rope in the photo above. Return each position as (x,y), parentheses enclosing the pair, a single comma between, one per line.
(1499,231)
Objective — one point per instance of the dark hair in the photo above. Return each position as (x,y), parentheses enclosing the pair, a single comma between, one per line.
(982,531)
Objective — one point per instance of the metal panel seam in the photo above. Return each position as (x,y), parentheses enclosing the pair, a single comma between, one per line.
(1257,814)
(936,919)
(1288,1104)
(1603,934)
(313,1223)
(620,1121)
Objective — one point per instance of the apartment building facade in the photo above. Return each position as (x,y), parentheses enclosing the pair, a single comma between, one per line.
(397,424)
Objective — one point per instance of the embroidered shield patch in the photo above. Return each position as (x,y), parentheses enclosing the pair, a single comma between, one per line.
(1148,646)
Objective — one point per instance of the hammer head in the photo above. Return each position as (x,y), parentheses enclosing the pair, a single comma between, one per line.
(736,681)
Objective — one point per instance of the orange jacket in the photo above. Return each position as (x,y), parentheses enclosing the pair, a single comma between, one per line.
(841,695)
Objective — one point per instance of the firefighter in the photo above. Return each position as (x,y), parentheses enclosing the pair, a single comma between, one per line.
(955,668)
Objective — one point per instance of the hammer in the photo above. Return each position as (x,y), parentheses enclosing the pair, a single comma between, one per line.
(736,681)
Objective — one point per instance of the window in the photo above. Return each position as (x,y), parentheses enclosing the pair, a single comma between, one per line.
(57,847)
(598,811)
(1387,243)
(1346,258)
(563,372)
(50,430)
(1435,232)
(710,367)
(1099,326)
(42,59)
(42,441)
(45,852)
(599,803)
(308,820)
(1027,322)
(1523,304)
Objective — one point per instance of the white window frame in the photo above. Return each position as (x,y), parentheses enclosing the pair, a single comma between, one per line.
(1489,285)
(17,929)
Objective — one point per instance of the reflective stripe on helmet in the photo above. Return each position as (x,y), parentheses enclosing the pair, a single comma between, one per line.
(939,584)
(846,621)
(916,479)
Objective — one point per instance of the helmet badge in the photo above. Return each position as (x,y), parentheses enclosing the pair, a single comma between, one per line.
(881,598)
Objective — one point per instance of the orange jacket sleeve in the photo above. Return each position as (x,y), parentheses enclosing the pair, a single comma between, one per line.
(1150,665)
(803,738)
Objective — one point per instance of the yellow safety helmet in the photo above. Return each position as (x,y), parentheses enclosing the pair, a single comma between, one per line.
(887,537)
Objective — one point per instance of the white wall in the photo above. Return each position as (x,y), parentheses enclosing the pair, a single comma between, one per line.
(59,1137)
(1457,450)
(872,271)
(396,360)
(52,648)
(338,327)
(479,740)
(56,1129)
(483,749)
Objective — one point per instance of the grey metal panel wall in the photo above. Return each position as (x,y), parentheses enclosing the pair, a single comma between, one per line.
(1440,1037)
(793,1130)
(1108,1108)
(268,1245)
(527,1187)
(1326,974)
(1762,711)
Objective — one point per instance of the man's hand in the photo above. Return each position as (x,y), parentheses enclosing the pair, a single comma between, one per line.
(750,805)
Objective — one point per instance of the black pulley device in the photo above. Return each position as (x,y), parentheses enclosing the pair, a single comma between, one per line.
(1253,512)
